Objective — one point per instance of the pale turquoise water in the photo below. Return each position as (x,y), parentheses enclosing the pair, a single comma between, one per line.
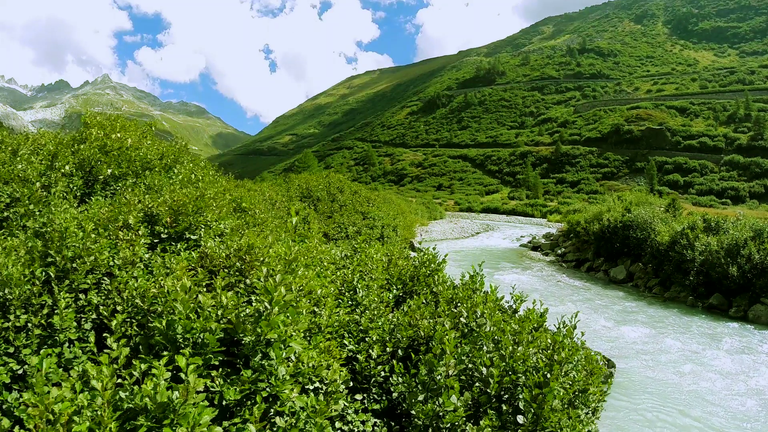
(678,369)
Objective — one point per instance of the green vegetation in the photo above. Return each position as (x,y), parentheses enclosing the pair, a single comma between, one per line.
(59,107)
(143,290)
(682,82)
(692,252)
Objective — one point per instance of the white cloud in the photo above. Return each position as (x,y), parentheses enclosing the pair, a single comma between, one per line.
(42,41)
(172,62)
(449,26)
(138,38)
(225,38)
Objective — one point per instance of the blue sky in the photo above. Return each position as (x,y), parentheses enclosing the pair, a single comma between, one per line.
(395,40)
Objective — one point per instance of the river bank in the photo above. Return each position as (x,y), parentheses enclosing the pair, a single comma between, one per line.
(572,254)
(677,369)
(459,225)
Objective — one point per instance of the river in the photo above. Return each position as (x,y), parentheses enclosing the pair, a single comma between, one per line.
(678,369)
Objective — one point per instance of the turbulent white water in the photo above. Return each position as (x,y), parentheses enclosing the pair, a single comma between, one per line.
(678,369)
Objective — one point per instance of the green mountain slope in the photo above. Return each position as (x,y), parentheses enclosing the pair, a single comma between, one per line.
(59,106)
(635,78)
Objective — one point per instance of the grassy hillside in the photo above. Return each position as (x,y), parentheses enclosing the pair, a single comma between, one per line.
(601,91)
(58,106)
(142,290)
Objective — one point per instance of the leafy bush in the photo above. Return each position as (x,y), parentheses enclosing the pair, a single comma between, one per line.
(142,290)
(705,254)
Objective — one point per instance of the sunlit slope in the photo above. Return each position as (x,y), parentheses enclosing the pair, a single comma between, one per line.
(59,106)
(608,76)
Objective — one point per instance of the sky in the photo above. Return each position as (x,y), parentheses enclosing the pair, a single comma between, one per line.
(246,61)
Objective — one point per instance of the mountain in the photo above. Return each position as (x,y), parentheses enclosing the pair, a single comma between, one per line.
(58,106)
(613,84)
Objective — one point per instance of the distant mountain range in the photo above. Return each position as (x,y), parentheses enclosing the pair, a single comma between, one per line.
(58,106)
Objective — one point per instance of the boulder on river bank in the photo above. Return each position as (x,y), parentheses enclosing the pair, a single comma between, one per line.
(624,271)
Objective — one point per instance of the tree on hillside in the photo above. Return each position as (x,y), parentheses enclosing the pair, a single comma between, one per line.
(370,159)
(558,149)
(735,115)
(749,106)
(651,176)
(572,52)
(759,128)
(535,187)
(307,162)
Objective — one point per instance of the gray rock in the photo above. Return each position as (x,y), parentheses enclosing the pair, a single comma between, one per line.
(599,263)
(548,236)
(546,253)
(610,367)
(548,246)
(535,245)
(570,265)
(718,302)
(619,275)
(571,257)
(659,291)
(677,293)
(653,283)
(526,245)
(765,301)
(691,302)
(602,276)
(636,268)
(737,312)
(586,267)
(627,265)
(607,267)
(758,314)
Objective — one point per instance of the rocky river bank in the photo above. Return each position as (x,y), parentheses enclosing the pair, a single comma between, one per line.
(623,271)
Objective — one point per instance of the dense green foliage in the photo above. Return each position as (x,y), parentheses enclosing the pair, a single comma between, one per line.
(680,81)
(140,289)
(701,253)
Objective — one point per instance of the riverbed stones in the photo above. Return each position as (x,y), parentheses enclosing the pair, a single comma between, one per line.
(636,268)
(599,263)
(535,245)
(627,264)
(758,314)
(691,302)
(765,301)
(607,267)
(652,284)
(586,267)
(677,293)
(740,307)
(659,291)
(548,246)
(619,275)
(572,257)
(718,302)
(603,276)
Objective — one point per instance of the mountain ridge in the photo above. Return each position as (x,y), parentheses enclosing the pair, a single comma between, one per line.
(58,105)
(614,84)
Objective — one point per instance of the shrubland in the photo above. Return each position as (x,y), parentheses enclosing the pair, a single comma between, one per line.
(141,289)
(694,252)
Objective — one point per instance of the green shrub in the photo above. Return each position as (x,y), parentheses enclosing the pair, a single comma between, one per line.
(703,253)
(143,290)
